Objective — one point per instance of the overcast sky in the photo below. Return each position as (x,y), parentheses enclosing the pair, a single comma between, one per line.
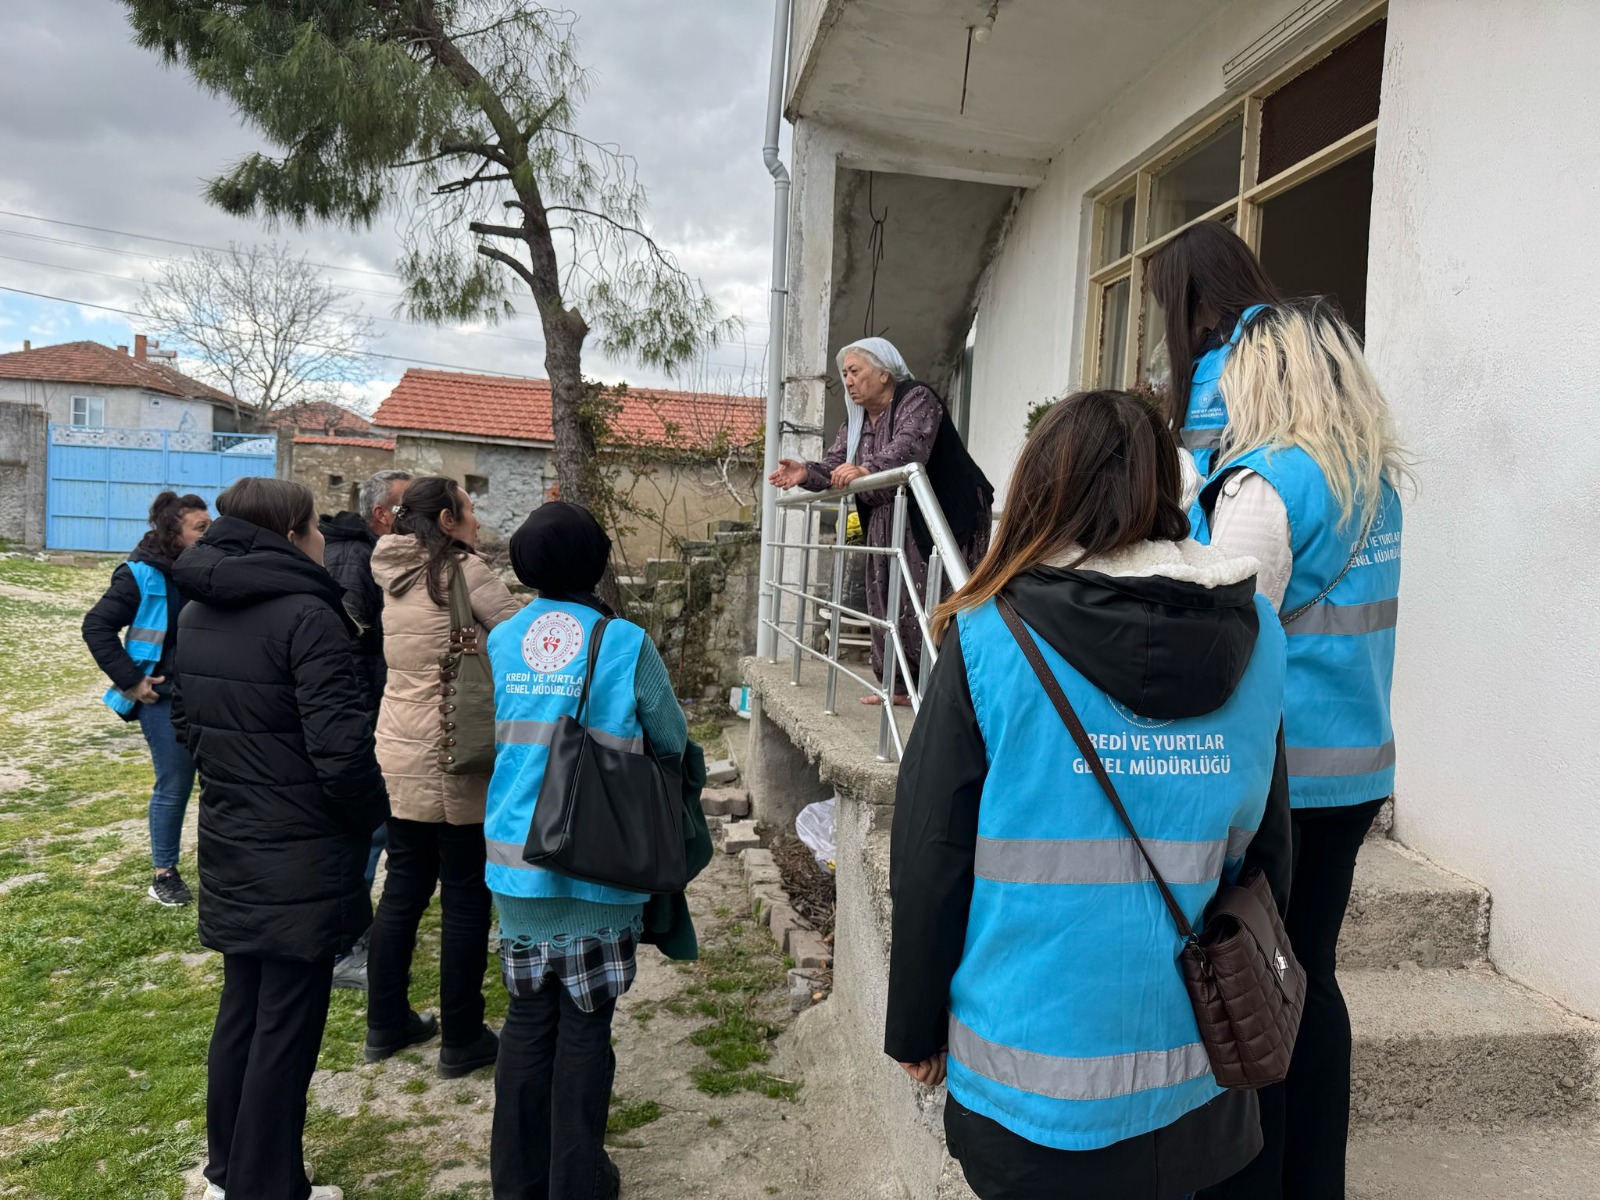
(97,132)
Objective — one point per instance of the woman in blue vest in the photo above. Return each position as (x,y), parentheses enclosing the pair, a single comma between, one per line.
(1032,953)
(142,602)
(566,946)
(1305,484)
(1209,285)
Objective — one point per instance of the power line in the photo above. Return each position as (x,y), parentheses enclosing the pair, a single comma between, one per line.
(420,362)
(150,237)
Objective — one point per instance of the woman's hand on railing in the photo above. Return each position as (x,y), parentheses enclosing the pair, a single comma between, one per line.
(790,473)
(847,473)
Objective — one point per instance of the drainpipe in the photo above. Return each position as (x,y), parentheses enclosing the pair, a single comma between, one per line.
(782,16)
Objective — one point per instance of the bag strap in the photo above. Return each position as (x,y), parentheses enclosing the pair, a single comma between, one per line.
(595,634)
(1069,718)
(1355,553)
(461,617)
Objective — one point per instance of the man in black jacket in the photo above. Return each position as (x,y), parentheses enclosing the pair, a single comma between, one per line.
(350,538)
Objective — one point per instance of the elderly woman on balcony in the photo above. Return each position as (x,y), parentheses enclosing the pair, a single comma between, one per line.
(894,420)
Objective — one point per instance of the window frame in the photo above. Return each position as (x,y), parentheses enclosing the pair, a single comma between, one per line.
(1245,206)
(86,401)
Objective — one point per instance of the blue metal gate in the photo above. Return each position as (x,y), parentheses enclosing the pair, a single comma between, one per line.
(101,481)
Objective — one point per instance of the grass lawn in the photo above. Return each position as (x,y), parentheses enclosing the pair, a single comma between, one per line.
(107,999)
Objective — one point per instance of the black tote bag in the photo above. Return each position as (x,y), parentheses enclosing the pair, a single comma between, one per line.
(606,814)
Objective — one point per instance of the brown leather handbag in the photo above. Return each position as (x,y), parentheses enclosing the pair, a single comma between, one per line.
(1245,985)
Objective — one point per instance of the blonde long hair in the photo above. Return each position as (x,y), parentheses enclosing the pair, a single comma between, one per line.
(1298,377)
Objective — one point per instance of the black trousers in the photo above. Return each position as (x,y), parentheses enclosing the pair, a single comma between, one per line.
(263,1051)
(552,1091)
(422,855)
(1305,1121)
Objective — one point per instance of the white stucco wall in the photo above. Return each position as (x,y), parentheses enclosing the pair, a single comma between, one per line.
(1030,315)
(125,407)
(1484,247)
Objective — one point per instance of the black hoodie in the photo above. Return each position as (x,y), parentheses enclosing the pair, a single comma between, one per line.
(269,704)
(1165,649)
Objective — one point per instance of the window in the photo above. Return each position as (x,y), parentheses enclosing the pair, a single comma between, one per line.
(88,412)
(1295,126)
(477,485)
(335,481)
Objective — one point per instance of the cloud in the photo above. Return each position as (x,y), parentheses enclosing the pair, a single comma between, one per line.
(98,132)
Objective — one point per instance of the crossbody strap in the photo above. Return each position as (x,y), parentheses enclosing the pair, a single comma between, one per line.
(1069,718)
(1355,553)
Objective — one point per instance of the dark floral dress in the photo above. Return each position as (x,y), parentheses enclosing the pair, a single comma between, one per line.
(916,423)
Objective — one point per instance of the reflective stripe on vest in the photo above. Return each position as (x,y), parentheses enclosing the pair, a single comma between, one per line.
(1341,650)
(1207,414)
(1070,1024)
(147,636)
(538,659)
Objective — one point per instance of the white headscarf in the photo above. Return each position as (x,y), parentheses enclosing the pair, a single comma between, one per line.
(884,351)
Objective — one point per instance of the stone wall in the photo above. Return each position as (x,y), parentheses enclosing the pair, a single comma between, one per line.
(700,607)
(24,451)
(334,473)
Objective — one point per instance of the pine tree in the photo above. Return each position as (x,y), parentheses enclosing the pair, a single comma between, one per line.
(459,115)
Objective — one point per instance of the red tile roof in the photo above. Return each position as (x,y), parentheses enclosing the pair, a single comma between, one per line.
(358,443)
(319,416)
(501,407)
(93,363)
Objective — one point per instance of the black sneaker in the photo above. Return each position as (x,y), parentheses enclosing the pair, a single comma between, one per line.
(456,1061)
(386,1045)
(169,889)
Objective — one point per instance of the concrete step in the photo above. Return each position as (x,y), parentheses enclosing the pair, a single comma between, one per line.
(1476,1164)
(1437,1047)
(1403,909)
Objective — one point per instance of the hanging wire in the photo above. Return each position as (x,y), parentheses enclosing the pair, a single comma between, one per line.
(875,256)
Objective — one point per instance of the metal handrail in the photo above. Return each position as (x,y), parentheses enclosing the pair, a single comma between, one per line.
(944,561)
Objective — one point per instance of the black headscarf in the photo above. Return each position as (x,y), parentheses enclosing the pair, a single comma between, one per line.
(561,552)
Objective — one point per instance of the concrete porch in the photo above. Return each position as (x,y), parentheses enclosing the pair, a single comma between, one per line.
(1466,1083)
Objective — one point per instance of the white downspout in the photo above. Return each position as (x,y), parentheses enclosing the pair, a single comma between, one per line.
(777,84)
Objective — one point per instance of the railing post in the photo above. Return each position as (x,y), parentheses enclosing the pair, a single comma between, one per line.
(935,586)
(832,705)
(805,591)
(775,594)
(892,648)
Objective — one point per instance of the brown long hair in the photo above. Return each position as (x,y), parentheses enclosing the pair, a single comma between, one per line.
(281,505)
(1207,266)
(418,516)
(1099,473)
(166,524)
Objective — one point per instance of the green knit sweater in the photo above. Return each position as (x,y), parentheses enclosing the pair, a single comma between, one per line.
(526,921)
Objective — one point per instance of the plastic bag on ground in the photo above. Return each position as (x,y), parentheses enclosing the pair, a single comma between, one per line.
(814,826)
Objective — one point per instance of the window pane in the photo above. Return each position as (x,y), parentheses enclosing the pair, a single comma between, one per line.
(1154,367)
(1113,332)
(1116,236)
(1199,181)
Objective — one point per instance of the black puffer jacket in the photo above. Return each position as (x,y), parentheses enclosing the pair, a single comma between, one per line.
(269,705)
(348,559)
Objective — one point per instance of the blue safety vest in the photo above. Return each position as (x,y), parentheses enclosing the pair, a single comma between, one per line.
(1207,415)
(147,636)
(539,659)
(1069,1020)
(1341,650)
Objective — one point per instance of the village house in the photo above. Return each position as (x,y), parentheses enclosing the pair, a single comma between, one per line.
(90,433)
(983,183)
(677,461)
(331,450)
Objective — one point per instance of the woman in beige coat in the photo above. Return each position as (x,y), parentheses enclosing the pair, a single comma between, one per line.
(436,830)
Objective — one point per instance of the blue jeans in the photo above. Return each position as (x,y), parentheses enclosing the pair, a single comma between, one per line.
(174,782)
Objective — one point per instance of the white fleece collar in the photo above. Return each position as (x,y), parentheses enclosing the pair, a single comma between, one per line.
(1186,561)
